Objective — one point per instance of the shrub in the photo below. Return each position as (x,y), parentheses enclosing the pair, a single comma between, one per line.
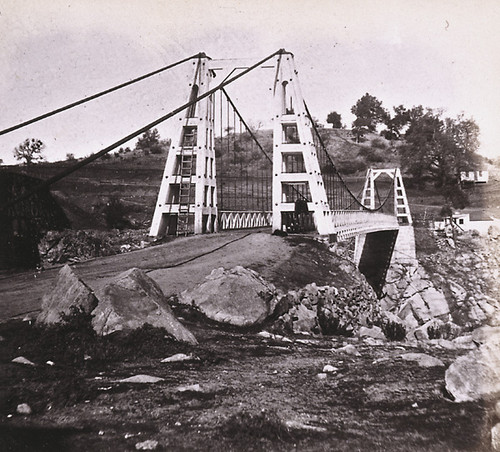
(394,331)
(71,339)
(114,213)
(378,143)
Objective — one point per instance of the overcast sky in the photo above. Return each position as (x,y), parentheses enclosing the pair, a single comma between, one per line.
(439,54)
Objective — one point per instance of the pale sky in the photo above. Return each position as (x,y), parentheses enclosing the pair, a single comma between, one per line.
(438,54)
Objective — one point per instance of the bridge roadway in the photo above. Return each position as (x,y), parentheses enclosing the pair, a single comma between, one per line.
(344,224)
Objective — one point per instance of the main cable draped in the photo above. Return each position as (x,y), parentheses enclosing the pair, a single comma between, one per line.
(136,133)
(95,96)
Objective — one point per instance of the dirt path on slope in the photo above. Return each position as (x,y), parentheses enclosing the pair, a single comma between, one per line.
(176,266)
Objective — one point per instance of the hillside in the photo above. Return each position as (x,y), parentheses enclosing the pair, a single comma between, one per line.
(134,178)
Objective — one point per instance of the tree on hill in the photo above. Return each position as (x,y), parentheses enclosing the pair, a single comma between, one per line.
(30,150)
(369,113)
(150,142)
(437,149)
(335,119)
(395,123)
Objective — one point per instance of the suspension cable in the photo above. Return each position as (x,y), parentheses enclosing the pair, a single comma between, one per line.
(138,132)
(95,96)
(323,147)
(254,138)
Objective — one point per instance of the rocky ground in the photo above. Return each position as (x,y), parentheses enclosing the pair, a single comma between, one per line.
(240,391)
(279,382)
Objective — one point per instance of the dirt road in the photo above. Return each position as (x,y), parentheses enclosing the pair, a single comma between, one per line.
(179,265)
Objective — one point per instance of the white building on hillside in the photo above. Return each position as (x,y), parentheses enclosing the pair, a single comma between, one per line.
(471,221)
(474,177)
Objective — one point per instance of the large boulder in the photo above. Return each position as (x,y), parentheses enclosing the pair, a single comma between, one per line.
(69,292)
(237,297)
(130,301)
(476,375)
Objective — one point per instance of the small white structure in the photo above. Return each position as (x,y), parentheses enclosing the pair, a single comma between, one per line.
(474,177)
(474,221)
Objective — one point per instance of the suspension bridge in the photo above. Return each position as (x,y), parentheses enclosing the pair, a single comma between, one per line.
(219,175)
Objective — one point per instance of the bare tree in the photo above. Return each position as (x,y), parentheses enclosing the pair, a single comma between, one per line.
(30,150)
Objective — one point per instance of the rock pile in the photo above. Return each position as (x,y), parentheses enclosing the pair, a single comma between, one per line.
(455,287)
(326,310)
(59,247)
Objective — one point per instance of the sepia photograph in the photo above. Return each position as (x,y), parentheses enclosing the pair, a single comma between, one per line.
(268,225)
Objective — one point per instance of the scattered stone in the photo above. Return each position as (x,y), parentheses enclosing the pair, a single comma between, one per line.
(147,445)
(374,332)
(485,334)
(373,342)
(133,299)
(422,359)
(177,358)
(328,368)
(321,376)
(50,363)
(265,334)
(141,379)
(68,292)
(274,337)
(296,425)
(348,350)
(305,341)
(237,297)
(444,343)
(476,375)
(190,388)
(464,342)
(495,437)
(23,408)
(304,319)
(22,360)
(380,360)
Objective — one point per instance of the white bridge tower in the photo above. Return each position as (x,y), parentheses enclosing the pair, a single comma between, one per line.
(187,200)
(296,170)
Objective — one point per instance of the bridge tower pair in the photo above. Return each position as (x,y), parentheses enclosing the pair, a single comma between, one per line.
(187,199)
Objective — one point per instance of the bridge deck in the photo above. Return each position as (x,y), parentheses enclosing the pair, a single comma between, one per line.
(343,223)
